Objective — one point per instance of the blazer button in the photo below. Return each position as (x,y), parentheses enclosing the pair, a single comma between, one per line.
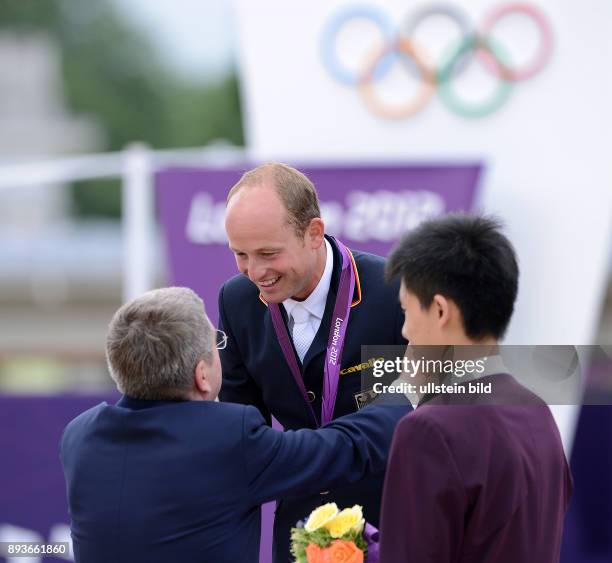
(311,396)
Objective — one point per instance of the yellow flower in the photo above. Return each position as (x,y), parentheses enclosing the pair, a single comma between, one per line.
(320,516)
(347,520)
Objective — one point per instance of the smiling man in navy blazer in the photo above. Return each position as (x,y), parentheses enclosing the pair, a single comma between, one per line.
(168,475)
(276,233)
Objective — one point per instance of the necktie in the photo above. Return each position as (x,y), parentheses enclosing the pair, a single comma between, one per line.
(303,331)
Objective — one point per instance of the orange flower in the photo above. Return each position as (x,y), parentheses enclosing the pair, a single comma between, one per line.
(339,551)
(315,554)
(345,552)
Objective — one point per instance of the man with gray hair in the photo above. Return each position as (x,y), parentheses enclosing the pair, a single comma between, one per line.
(170,475)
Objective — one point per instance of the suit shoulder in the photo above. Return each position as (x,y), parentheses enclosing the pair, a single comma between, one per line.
(239,298)
(245,420)
(422,419)
(228,415)
(239,286)
(369,261)
(84,418)
(228,410)
(252,417)
(371,269)
(79,425)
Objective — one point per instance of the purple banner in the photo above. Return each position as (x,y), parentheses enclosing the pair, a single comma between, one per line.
(33,505)
(366,207)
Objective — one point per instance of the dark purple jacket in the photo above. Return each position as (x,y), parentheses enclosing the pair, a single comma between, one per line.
(483,479)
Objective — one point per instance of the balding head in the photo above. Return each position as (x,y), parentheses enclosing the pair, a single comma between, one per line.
(295,190)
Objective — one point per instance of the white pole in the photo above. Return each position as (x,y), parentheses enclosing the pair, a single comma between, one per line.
(137,220)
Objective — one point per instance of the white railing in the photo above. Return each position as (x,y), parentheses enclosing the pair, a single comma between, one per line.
(136,166)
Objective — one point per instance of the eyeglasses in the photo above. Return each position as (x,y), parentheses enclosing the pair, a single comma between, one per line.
(220,339)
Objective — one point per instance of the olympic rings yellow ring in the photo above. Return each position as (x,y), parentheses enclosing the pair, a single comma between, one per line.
(409,108)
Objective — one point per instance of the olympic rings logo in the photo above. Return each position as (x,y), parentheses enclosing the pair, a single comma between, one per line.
(476,41)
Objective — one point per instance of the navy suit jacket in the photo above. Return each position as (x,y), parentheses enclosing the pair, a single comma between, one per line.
(490,482)
(182,481)
(255,371)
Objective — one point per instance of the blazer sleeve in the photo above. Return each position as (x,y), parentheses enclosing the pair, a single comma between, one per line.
(238,385)
(424,503)
(302,462)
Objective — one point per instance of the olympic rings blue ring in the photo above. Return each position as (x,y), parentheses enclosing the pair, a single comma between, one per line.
(444,76)
(330,60)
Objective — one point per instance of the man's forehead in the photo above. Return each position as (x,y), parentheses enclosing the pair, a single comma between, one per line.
(252,194)
(253,246)
(258,217)
(257,232)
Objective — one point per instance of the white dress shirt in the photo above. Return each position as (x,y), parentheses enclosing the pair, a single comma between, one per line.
(305,316)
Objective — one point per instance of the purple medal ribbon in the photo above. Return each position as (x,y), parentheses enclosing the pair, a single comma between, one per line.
(335,343)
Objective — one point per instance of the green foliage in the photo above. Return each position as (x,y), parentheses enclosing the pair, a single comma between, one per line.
(29,14)
(112,73)
(99,198)
(300,539)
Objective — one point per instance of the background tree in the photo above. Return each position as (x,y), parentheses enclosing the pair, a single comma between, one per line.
(112,71)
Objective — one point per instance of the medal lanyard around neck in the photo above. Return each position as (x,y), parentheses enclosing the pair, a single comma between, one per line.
(335,342)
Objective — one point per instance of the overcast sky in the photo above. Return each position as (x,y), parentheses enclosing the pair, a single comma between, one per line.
(195,35)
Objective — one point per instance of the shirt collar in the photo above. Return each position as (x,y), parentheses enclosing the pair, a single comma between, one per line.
(492,365)
(315,302)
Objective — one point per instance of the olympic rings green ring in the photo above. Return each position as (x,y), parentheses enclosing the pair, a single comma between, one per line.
(444,79)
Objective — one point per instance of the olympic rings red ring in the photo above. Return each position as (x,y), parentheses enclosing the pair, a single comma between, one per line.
(542,56)
(404,45)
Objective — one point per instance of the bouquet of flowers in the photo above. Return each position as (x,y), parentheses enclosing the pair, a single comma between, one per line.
(332,535)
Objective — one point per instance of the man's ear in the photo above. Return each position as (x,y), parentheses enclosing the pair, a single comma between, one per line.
(442,309)
(200,378)
(315,232)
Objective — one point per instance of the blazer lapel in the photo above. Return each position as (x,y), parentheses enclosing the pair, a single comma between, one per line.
(269,329)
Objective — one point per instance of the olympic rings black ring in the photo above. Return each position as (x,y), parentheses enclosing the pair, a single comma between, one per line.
(413,21)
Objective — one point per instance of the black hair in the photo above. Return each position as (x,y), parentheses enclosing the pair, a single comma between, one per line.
(464,258)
